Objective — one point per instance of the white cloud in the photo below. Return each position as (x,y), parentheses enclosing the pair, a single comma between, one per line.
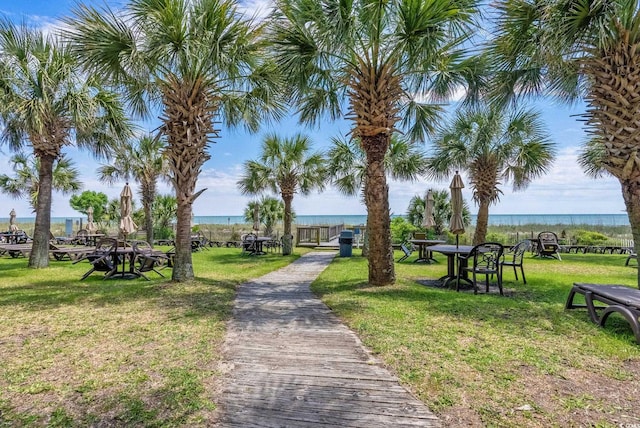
(564,190)
(258,8)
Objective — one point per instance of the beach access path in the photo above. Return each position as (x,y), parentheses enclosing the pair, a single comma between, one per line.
(290,362)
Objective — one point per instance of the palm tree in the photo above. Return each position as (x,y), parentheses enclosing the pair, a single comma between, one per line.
(381,58)
(47,103)
(285,166)
(493,147)
(112,213)
(26,182)
(200,61)
(415,210)
(271,211)
(579,50)
(164,214)
(347,165)
(143,160)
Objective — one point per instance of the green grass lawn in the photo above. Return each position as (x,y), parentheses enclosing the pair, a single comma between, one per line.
(116,352)
(138,353)
(488,360)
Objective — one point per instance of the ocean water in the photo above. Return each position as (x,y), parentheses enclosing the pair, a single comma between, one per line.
(495,220)
(311,220)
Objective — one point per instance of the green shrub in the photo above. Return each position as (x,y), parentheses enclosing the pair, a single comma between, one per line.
(587,237)
(163,233)
(500,238)
(401,230)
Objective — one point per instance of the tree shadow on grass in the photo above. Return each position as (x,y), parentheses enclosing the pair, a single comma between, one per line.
(60,284)
(202,297)
(524,308)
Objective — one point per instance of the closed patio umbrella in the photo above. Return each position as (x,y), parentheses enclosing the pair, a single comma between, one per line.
(12,221)
(456,224)
(127,225)
(427,218)
(91,226)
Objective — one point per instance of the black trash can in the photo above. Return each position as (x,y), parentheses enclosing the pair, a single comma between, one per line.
(346,243)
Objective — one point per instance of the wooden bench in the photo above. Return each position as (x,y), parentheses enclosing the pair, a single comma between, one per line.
(618,298)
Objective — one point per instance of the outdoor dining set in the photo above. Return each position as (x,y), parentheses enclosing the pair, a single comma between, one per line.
(111,257)
(255,245)
(487,259)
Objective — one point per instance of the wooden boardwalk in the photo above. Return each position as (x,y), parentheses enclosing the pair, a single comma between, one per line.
(291,363)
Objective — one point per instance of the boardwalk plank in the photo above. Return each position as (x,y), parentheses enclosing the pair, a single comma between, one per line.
(292,363)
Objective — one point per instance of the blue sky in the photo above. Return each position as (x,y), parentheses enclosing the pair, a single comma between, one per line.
(565,190)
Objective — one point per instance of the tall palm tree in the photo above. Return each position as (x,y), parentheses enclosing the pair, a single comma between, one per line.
(380,58)
(347,165)
(200,61)
(580,50)
(144,161)
(285,166)
(494,147)
(47,103)
(26,182)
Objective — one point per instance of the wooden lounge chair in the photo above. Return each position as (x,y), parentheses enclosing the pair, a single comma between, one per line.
(618,298)
(16,250)
(632,255)
(548,245)
(60,252)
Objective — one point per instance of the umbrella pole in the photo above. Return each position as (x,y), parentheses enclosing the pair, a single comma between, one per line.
(457,262)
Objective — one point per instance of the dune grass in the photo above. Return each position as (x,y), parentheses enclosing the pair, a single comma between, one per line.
(116,352)
(487,360)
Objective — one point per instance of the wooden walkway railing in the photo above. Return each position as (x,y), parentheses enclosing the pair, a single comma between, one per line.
(317,234)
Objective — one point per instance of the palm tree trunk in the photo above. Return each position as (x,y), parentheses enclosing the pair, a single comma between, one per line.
(631,195)
(482,222)
(183,264)
(187,131)
(287,238)
(147,201)
(365,245)
(381,267)
(39,257)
